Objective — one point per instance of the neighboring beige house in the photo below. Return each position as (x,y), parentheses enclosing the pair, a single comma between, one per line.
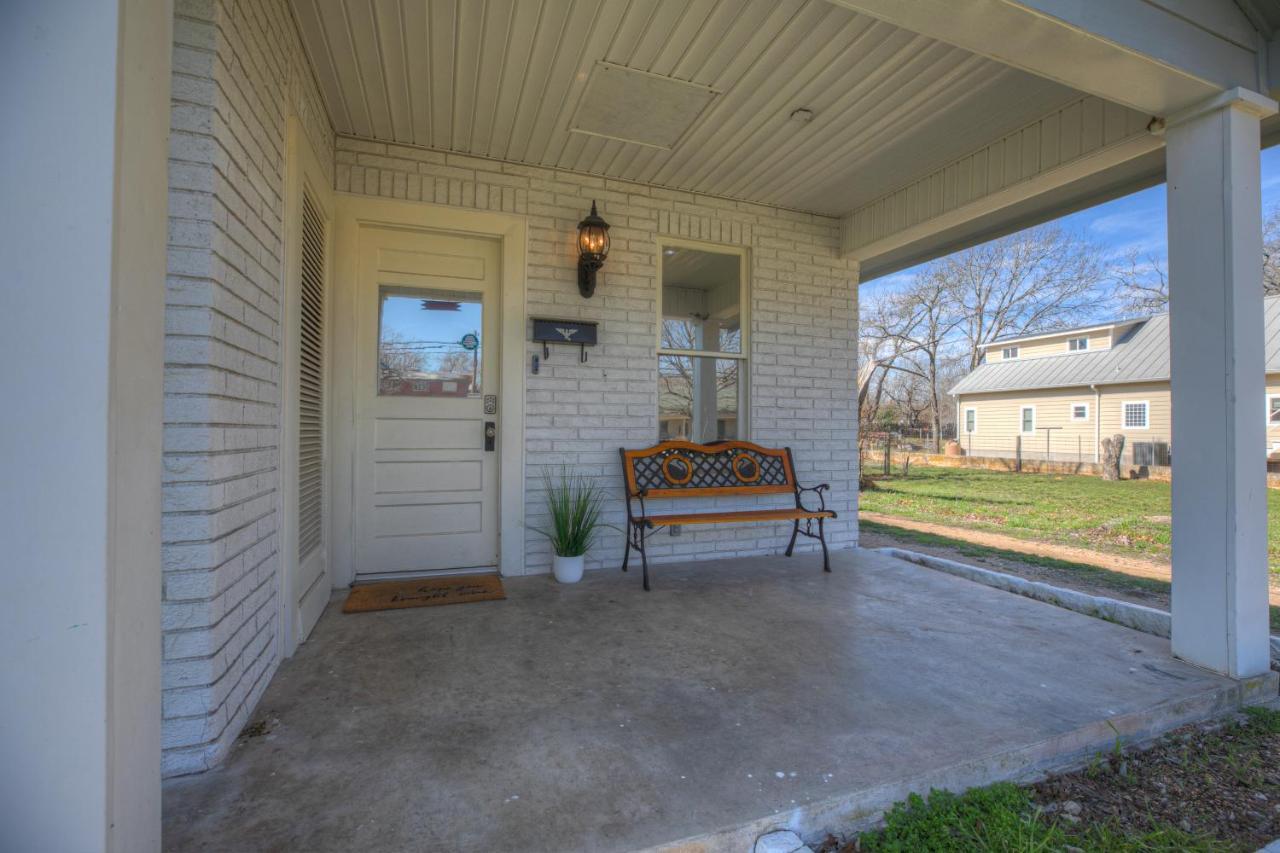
(1060,393)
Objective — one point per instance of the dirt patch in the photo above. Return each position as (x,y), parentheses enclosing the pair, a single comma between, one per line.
(1063,577)
(1071,578)
(1128,565)
(1220,780)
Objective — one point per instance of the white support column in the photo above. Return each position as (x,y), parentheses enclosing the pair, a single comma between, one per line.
(82,246)
(1215,284)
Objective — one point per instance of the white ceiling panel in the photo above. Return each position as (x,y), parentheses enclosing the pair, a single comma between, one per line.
(505,78)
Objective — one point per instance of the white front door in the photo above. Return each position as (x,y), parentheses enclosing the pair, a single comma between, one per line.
(426,472)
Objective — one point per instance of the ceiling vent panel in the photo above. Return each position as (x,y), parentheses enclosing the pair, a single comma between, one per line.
(636,106)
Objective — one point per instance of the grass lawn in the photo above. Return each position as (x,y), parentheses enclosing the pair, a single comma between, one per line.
(1129,517)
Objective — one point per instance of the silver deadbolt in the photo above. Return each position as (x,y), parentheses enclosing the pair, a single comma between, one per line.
(490,433)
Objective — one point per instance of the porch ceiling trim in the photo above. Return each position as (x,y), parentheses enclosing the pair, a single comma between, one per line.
(1156,56)
(1082,152)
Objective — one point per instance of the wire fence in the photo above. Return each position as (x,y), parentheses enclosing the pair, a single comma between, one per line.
(883,449)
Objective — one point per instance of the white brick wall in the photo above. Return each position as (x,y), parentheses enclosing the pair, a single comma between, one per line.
(803,329)
(238,70)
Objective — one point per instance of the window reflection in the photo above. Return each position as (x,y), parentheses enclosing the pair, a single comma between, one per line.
(698,398)
(429,343)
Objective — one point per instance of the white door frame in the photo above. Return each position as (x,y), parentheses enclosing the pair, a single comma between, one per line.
(352,213)
(302,170)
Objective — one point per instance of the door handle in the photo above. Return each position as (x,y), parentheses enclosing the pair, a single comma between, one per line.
(490,434)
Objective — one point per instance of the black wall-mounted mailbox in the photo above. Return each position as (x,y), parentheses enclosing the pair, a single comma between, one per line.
(579,332)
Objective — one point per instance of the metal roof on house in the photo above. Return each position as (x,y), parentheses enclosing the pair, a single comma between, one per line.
(1141,355)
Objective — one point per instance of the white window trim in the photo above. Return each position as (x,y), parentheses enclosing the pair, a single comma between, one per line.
(1146,404)
(1267,412)
(1004,353)
(1075,406)
(744,322)
(967,410)
(1083,347)
(1021,410)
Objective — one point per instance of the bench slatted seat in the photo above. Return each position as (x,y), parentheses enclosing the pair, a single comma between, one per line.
(682,469)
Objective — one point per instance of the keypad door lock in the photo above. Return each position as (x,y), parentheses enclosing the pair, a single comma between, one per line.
(490,434)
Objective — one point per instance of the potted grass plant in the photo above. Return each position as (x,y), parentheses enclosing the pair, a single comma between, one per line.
(574,504)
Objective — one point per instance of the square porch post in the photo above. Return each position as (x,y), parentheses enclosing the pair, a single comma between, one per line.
(84,183)
(1220,614)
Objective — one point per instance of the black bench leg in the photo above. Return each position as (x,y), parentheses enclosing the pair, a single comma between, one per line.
(826,560)
(626,555)
(644,561)
(795,530)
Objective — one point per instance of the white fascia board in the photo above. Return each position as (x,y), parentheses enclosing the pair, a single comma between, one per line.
(1131,52)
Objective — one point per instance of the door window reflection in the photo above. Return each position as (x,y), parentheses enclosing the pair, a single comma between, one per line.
(429,343)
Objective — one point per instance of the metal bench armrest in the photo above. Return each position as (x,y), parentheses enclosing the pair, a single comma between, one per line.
(818,490)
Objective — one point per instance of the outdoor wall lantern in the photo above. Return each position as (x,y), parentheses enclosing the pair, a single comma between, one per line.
(593,248)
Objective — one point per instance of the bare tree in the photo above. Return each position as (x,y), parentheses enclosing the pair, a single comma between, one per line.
(1271,252)
(1034,280)
(398,357)
(1142,281)
(1142,284)
(916,326)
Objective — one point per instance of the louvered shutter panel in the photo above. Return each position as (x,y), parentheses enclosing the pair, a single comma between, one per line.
(311,382)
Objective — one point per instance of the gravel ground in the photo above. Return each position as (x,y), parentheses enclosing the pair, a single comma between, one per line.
(1219,780)
(1208,787)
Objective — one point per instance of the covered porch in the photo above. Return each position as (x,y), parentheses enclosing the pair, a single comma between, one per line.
(194,449)
(739,696)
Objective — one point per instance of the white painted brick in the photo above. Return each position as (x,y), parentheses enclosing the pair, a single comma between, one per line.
(804,330)
(238,70)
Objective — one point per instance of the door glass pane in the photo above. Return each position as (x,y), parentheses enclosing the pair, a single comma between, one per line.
(698,398)
(701,300)
(429,343)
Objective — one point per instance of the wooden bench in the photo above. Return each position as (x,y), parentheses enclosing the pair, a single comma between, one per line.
(682,469)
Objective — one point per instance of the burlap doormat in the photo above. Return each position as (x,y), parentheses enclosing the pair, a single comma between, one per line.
(423,592)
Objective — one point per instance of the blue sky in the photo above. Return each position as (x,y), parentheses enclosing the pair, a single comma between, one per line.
(433,332)
(1134,222)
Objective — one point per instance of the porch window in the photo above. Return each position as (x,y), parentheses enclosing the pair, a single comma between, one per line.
(1028,418)
(1273,410)
(702,348)
(1079,411)
(1135,414)
(970,420)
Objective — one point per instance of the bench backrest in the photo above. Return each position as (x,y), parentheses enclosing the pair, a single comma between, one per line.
(683,469)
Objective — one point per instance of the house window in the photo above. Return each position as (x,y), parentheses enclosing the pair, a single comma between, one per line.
(970,420)
(702,348)
(1134,414)
(1151,453)
(1077,344)
(1009,352)
(1028,418)
(1079,411)
(1273,410)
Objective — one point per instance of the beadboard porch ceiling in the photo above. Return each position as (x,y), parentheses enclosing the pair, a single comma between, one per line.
(504,79)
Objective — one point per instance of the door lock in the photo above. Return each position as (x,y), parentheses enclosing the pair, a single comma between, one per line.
(490,433)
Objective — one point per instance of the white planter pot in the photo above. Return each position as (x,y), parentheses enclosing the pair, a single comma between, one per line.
(567,569)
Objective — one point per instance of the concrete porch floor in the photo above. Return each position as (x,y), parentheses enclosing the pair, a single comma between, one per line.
(738,696)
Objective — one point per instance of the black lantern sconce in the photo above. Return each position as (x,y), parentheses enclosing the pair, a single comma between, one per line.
(593,248)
